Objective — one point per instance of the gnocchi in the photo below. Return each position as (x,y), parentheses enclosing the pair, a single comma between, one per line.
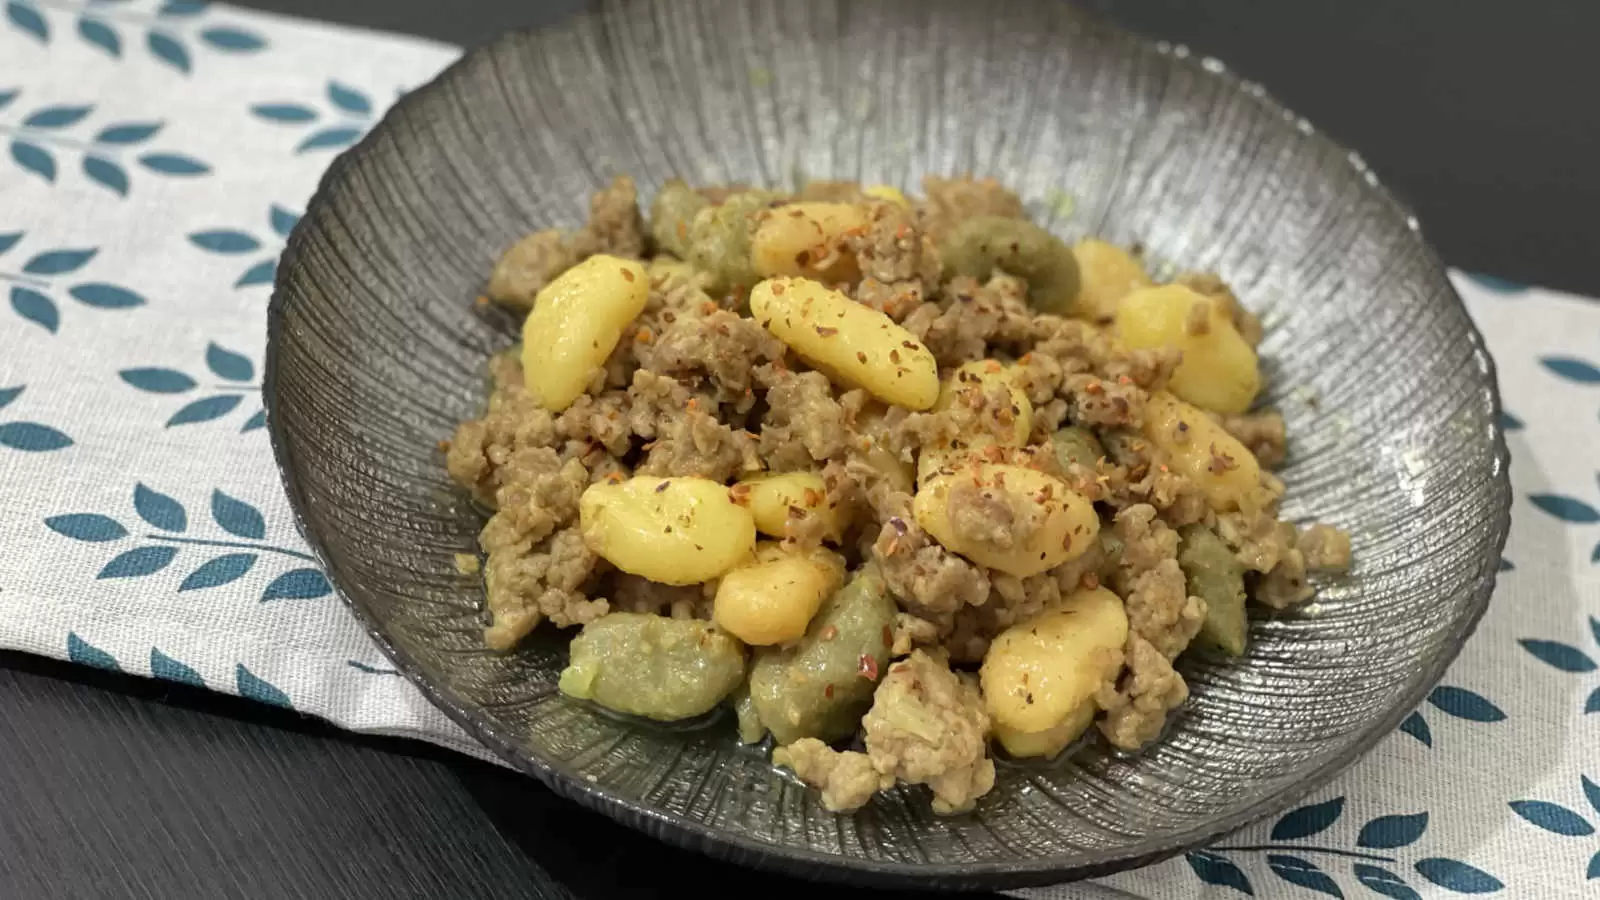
(775,499)
(888,194)
(680,530)
(854,344)
(805,239)
(651,666)
(1219,371)
(982,244)
(991,391)
(1039,676)
(772,597)
(1200,449)
(1106,274)
(1051,523)
(576,322)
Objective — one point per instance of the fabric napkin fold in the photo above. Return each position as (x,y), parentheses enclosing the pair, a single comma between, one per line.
(156,155)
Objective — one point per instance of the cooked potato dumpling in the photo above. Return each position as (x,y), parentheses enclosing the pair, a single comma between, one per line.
(672,530)
(653,666)
(773,499)
(1224,469)
(772,597)
(1040,675)
(803,239)
(1063,523)
(1219,371)
(1106,274)
(976,384)
(575,324)
(854,344)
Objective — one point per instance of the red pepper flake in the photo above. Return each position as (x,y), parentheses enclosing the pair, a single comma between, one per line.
(1066,542)
(824,331)
(867,667)
(827,690)
(1090,581)
(909,346)
(663,486)
(1094,387)
(482,300)
(683,230)
(1124,380)
(894,356)
(644,336)
(861,357)
(628,275)
(778,288)
(813,497)
(739,494)
(888,636)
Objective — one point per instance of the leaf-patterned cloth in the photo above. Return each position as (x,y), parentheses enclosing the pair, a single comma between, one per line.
(153,155)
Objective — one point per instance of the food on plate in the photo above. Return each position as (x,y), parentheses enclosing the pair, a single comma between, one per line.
(904,481)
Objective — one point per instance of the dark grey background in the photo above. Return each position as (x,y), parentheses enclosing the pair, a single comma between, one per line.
(1477,112)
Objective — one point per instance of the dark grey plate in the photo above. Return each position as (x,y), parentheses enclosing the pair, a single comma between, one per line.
(376,351)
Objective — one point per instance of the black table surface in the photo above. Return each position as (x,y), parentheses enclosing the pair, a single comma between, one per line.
(1475,111)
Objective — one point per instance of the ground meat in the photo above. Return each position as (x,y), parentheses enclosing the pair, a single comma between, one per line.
(1286,584)
(722,345)
(1152,586)
(894,299)
(927,579)
(949,200)
(630,593)
(893,249)
(928,725)
(1136,705)
(1258,539)
(911,632)
(615,225)
(1262,433)
(525,584)
(1208,284)
(969,317)
(696,443)
(847,779)
(528,265)
(804,424)
(1325,547)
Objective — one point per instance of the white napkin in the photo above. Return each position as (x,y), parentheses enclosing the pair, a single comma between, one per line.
(155,155)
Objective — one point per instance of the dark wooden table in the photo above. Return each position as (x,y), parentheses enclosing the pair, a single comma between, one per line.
(111,786)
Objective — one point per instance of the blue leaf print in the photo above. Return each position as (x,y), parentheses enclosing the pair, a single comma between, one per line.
(1572,369)
(284,112)
(167,49)
(1594,628)
(158,381)
(283,221)
(329,137)
(173,164)
(229,365)
(1508,422)
(36,308)
(260,273)
(1217,870)
(31,437)
(164,666)
(35,159)
(8,395)
(1458,876)
(1307,820)
(237,517)
(180,8)
(1592,704)
(1505,565)
(1464,704)
(255,688)
(1562,656)
(28,19)
(1388,832)
(224,569)
(128,133)
(56,116)
(232,39)
(106,296)
(105,172)
(1567,509)
(205,409)
(90,527)
(299,584)
(259,420)
(101,35)
(1382,881)
(1594,555)
(349,99)
(138,562)
(7,241)
(1552,817)
(159,510)
(6,97)
(85,654)
(1303,872)
(1497,284)
(224,241)
(1594,867)
(1592,791)
(58,262)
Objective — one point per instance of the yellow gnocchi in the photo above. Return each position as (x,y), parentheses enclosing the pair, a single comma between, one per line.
(576,322)
(1061,523)
(1039,676)
(773,499)
(1106,274)
(804,239)
(1219,370)
(854,344)
(680,530)
(976,384)
(771,598)
(1199,448)
(887,193)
